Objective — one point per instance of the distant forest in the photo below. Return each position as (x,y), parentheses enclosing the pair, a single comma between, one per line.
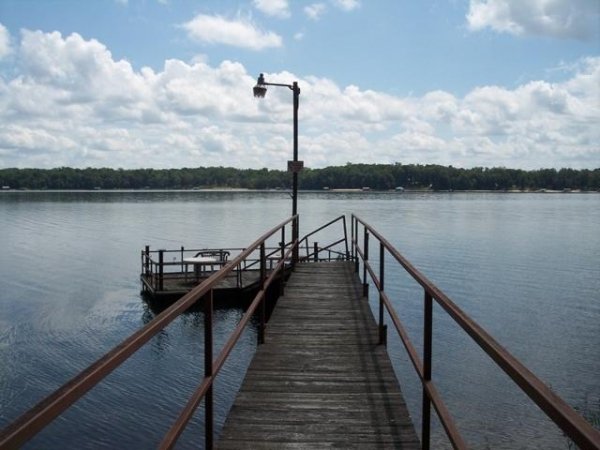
(350,176)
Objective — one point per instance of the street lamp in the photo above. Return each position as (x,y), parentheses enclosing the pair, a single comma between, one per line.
(294,166)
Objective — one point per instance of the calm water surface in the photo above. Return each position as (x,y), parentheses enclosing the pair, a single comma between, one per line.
(525,266)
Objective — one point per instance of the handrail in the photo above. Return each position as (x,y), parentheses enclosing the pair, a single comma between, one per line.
(154,272)
(213,368)
(561,413)
(322,227)
(34,420)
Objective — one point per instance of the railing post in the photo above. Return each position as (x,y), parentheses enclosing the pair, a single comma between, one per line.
(160,269)
(366,252)
(316,252)
(282,275)
(295,229)
(355,243)
(346,237)
(147,260)
(427,348)
(261,311)
(382,326)
(282,244)
(208,370)
(182,259)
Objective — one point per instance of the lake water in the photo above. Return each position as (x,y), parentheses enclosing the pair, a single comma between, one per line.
(525,266)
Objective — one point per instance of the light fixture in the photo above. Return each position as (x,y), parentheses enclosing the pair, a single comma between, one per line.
(294,166)
(260,90)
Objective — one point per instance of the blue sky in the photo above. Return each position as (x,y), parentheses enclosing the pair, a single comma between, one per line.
(167,83)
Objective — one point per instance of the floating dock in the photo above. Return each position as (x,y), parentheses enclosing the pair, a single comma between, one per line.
(170,274)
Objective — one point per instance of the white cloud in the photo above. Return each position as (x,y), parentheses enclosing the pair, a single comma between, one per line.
(347,5)
(556,18)
(275,8)
(5,48)
(314,11)
(238,33)
(72,104)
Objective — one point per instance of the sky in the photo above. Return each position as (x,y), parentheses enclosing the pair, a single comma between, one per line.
(168,83)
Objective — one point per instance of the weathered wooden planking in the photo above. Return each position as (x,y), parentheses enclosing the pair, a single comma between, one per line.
(178,284)
(320,380)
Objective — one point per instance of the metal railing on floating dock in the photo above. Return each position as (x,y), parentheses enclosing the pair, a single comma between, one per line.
(174,272)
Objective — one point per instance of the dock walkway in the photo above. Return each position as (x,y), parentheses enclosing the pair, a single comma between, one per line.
(320,380)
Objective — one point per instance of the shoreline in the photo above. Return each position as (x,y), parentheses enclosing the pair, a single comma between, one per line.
(316,191)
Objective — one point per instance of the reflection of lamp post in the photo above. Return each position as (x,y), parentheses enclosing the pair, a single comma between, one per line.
(294,166)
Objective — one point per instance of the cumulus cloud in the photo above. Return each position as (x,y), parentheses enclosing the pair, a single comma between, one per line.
(314,11)
(69,102)
(276,8)
(346,5)
(556,18)
(238,33)
(4,41)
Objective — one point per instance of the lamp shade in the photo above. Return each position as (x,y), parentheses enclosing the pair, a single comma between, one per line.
(259,91)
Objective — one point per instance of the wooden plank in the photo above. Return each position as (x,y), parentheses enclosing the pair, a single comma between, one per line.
(320,380)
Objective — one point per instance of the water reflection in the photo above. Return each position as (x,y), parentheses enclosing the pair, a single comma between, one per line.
(524,266)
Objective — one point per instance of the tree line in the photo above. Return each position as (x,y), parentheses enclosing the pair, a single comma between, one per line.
(349,176)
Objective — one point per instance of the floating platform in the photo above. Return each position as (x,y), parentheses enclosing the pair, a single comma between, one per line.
(167,275)
(176,284)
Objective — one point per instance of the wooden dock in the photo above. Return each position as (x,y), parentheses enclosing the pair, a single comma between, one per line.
(177,284)
(320,380)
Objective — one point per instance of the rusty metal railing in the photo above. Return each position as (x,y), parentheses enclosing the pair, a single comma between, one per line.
(312,252)
(34,420)
(157,267)
(564,416)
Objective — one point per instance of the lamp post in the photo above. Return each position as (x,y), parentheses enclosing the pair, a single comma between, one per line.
(294,166)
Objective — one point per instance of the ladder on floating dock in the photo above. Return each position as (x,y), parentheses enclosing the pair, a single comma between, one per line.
(320,380)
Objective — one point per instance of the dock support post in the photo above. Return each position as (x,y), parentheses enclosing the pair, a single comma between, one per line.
(208,369)
(147,260)
(282,243)
(355,243)
(427,350)
(346,238)
(316,252)
(295,225)
(282,276)
(382,326)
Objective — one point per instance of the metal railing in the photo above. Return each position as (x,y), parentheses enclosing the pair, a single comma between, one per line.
(564,416)
(313,252)
(34,420)
(160,266)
